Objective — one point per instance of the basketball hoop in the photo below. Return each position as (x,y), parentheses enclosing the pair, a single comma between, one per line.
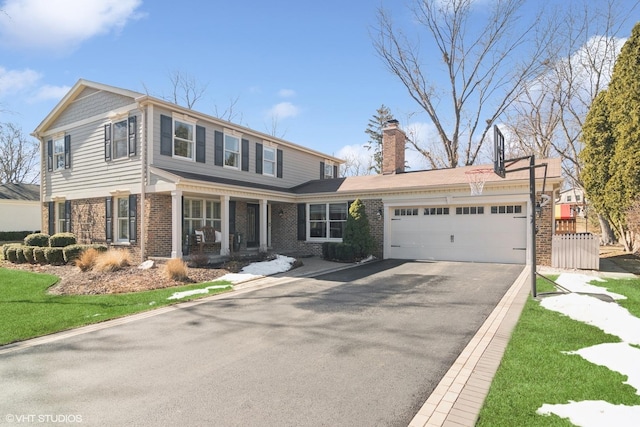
(476,179)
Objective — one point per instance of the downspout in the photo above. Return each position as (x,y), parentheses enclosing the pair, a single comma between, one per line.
(143,186)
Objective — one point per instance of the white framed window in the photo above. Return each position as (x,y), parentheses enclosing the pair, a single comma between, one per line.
(122,219)
(327,220)
(58,153)
(470,210)
(61,211)
(231,151)
(507,209)
(198,213)
(578,197)
(436,211)
(406,212)
(568,197)
(328,170)
(120,139)
(269,161)
(183,139)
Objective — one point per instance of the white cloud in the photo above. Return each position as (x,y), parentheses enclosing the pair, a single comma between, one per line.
(61,25)
(283,110)
(358,158)
(47,92)
(13,81)
(286,93)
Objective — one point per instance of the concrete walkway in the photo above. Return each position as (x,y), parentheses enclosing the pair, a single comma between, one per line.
(458,398)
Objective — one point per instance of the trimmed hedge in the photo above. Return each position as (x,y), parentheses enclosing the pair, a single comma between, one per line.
(20,259)
(28,253)
(336,251)
(38,255)
(60,240)
(37,239)
(72,252)
(11,254)
(54,256)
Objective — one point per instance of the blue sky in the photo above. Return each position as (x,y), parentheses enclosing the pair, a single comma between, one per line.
(312,64)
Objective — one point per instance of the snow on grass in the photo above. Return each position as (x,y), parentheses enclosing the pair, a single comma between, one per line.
(252,271)
(619,357)
(580,283)
(609,317)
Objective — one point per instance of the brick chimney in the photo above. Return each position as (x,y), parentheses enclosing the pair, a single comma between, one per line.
(393,142)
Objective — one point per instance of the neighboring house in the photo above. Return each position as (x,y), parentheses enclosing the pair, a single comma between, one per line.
(135,171)
(20,207)
(570,205)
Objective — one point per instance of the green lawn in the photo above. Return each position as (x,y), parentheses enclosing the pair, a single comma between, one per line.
(28,311)
(535,371)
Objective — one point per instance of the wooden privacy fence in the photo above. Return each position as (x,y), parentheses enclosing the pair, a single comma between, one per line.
(581,250)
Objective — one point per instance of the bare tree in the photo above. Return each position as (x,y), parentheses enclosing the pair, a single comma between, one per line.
(553,112)
(19,156)
(186,89)
(229,113)
(355,165)
(477,62)
(273,128)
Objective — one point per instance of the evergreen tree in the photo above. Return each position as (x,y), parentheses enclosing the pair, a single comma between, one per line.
(374,130)
(357,232)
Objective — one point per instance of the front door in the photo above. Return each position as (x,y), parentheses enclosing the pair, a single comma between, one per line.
(253,225)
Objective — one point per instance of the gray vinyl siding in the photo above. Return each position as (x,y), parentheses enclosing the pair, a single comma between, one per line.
(90,103)
(89,171)
(298,166)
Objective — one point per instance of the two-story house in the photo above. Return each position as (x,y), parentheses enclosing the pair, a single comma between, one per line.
(136,171)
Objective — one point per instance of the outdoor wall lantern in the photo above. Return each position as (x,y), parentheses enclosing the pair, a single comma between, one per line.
(538,210)
(379,213)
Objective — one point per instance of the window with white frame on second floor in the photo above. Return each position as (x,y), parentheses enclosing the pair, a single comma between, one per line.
(232,151)
(569,197)
(183,139)
(122,219)
(58,153)
(328,170)
(269,161)
(120,139)
(578,197)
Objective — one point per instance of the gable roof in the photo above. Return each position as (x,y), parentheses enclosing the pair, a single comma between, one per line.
(28,192)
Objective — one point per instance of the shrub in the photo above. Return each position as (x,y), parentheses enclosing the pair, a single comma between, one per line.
(37,239)
(357,232)
(60,240)
(38,255)
(11,253)
(176,269)
(54,256)
(87,259)
(72,252)
(325,250)
(20,259)
(28,253)
(199,260)
(13,236)
(112,260)
(345,252)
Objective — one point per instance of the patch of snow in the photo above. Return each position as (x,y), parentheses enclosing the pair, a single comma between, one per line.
(625,360)
(180,295)
(367,259)
(594,413)
(266,268)
(580,283)
(609,317)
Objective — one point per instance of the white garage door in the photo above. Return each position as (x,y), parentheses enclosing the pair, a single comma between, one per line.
(489,233)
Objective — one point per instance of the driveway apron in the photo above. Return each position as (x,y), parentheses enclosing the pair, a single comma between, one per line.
(359,347)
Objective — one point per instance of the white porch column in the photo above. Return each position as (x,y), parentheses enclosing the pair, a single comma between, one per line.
(176,224)
(263,225)
(224,207)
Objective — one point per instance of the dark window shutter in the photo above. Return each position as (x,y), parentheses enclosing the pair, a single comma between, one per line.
(52,218)
(133,218)
(200,144)
(133,135)
(232,217)
(321,170)
(258,158)
(245,155)
(67,216)
(279,164)
(218,148)
(166,125)
(67,151)
(302,221)
(335,171)
(108,214)
(50,154)
(107,142)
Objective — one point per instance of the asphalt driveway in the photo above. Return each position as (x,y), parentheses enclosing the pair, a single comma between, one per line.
(364,346)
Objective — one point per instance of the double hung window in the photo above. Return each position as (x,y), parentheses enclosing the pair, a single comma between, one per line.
(232,151)
(327,220)
(183,139)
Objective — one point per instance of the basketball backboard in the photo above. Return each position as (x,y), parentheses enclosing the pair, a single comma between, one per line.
(498,152)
